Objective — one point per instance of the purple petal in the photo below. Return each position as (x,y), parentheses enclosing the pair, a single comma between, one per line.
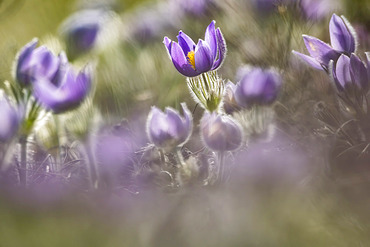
(23,61)
(358,72)
(180,61)
(309,60)
(9,121)
(341,38)
(185,42)
(176,126)
(211,40)
(188,119)
(203,57)
(319,50)
(221,44)
(342,72)
(167,42)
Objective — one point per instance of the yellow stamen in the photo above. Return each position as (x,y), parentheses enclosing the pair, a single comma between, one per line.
(191,59)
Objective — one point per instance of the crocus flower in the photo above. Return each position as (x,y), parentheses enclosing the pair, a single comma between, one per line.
(81,30)
(9,120)
(192,59)
(220,133)
(351,73)
(342,37)
(258,87)
(168,129)
(66,91)
(35,62)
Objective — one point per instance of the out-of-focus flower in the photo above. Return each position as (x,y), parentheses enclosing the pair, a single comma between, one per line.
(229,102)
(66,91)
(220,132)
(35,62)
(168,130)
(350,73)
(316,9)
(194,7)
(81,30)
(10,119)
(258,87)
(192,59)
(343,41)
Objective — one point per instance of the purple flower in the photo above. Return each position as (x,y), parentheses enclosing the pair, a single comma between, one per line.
(258,87)
(192,59)
(342,37)
(81,30)
(229,103)
(350,73)
(220,132)
(168,130)
(9,121)
(66,91)
(316,9)
(35,62)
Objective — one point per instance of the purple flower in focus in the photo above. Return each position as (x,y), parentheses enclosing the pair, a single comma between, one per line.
(342,37)
(35,62)
(168,129)
(350,73)
(258,87)
(220,132)
(192,59)
(66,91)
(9,121)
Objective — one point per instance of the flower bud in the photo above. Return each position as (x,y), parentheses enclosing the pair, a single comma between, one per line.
(220,132)
(258,87)
(168,129)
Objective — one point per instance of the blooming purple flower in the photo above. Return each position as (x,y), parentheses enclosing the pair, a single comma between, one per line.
(258,87)
(81,30)
(168,129)
(192,59)
(220,132)
(66,91)
(9,121)
(342,37)
(35,62)
(350,73)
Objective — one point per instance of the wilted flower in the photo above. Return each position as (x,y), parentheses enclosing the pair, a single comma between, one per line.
(258,87)
(66,91)
(10,119)
(220,132)
(192,59)
(168,130)
(35,62)
(81,30)
(350,73)
(342,37)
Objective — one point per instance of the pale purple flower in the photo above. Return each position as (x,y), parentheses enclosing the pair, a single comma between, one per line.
(192,59)
(220,132)
(66,91)
(343,41)
(317,9)
(169,129)
(350,73)
(35,62)
(10,119)
(258,87)
(229,102)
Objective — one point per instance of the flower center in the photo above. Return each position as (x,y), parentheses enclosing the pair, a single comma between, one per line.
(191,59)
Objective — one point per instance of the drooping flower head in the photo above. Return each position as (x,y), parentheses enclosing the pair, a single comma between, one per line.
(343,41)
(35,62)
(66,91)
(192,59)
(10,119)
(351,75)
(257,87)
(169,129)
(220,133)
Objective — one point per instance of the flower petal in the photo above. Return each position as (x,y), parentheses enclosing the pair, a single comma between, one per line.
(358,72)
(185,42)
(342,72)
(203,57)
(309,60)
(24,57)
(221,44)
(180,61)
(341,38)
(319,50)
(167,42)
(211,40)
